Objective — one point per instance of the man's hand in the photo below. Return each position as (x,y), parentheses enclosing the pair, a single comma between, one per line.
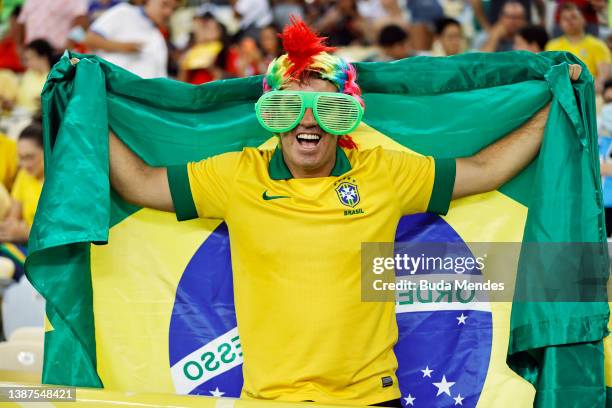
(574,71)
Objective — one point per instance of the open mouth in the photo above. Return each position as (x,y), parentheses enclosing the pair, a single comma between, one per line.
(308,139)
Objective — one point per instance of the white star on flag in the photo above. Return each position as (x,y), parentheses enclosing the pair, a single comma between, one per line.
(216,392)
(444,386)
(461,319)
(427,372)
(458,399)
(409,400)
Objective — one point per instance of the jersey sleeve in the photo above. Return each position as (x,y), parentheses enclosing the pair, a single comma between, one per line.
(422,183)
(202,189)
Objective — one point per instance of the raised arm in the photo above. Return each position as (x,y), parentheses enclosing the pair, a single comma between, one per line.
(97,42)
(498,163)
(135,181)
(494,165)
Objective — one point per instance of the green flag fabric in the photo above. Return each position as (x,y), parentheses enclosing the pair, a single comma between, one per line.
(445,107)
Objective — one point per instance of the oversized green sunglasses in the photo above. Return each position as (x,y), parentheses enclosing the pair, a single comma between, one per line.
(281,111)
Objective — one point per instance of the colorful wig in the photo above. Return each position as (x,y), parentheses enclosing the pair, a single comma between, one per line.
(307,55)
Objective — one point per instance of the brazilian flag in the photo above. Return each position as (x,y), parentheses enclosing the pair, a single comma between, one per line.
(134,298)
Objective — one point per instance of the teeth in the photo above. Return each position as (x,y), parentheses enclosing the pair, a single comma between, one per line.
(308,136)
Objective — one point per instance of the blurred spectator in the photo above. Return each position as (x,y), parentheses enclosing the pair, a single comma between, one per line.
(394,44)
(249,58)
(449,38)
(8,161)
(425,11)
(38,57)
(253,16)
(604,125)
(9,46)
(488,18)
(270,45)
(210,57)
(587,11)
(501,36)
(531,38)
(284,9)
(592,51)
(380,13)
(97,7)
(341,23)
(129,36)
(27,188)
(52,20)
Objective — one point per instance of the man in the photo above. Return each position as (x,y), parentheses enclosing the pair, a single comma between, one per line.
(592,51)
(129,36)
(531,38)
(394,44)
(51,20)
(449,38)
(501,36)
(296,282)
(488,18)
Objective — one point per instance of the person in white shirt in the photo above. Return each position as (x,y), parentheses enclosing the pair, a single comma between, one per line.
(253,15)
(129,36)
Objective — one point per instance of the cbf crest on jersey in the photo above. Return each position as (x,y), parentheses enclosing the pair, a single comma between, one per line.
(348,194)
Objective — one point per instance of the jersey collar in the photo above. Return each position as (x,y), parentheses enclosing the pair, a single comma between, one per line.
(279,171)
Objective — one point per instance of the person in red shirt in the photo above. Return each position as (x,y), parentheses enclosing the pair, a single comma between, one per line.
(210,56)
(9,51)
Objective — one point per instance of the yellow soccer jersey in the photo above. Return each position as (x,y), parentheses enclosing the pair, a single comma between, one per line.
(26,191)
(295,245)
(592,51)
(8,161)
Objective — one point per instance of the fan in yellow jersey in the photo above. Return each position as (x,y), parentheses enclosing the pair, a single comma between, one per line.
(591,50)
(297,217)
(16,222)
(8,161)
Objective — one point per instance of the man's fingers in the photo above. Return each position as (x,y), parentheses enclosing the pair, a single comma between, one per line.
(575,70)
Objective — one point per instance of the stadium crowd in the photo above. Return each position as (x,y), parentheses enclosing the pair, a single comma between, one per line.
(202,41)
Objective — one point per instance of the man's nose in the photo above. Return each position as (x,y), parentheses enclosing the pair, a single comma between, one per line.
(308,120)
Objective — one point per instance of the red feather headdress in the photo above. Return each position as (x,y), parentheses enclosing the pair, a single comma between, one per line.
(301,44)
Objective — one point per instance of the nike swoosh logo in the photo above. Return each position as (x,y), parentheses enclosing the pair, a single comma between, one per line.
(267,197)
